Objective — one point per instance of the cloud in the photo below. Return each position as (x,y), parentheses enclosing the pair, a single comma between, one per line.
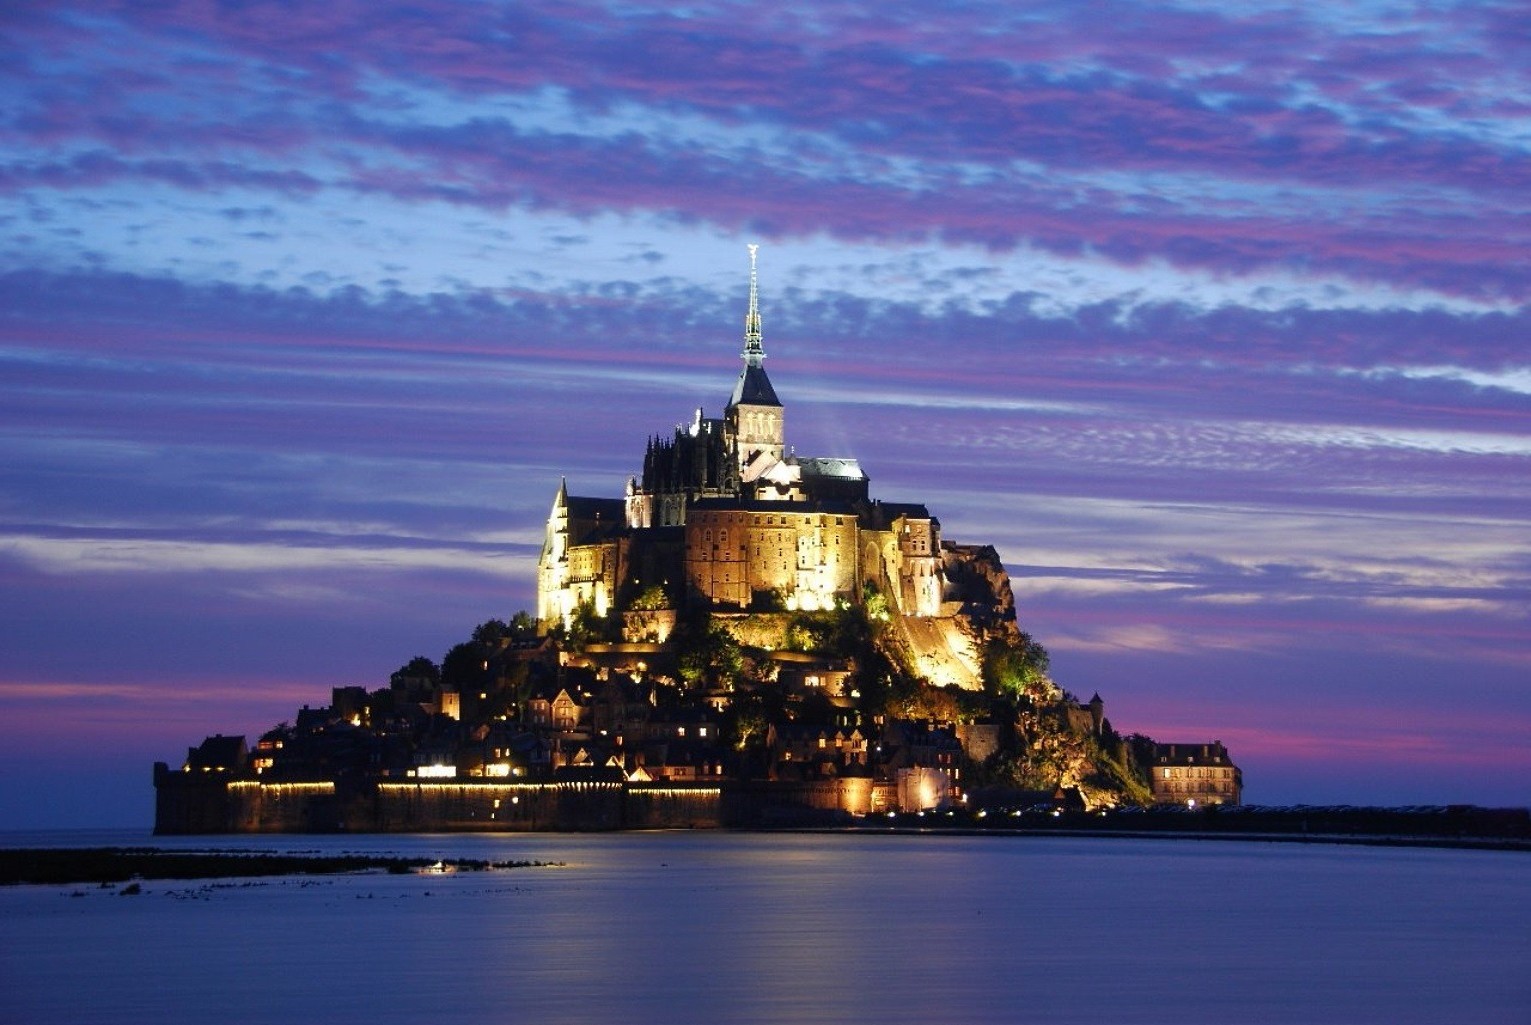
(94,555)
(992,139)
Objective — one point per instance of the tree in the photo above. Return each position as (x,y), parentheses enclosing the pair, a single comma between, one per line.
(585,626)
(651,599)
(1016,668)
(747,723)
(843,632)
(491,632)
(463,667)
(417,668)
(874,602)
(706,653)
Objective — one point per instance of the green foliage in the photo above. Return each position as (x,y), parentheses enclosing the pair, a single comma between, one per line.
(1116,774)
(836,633)
(586,627)
(942,704)
(746,720)
(706,653)
(651,599)
(1016,668)
(803,633)
(874,603)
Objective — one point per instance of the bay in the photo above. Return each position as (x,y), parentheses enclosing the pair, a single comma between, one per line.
(711,927)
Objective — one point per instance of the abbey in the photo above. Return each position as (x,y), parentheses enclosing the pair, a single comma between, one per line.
(726,517)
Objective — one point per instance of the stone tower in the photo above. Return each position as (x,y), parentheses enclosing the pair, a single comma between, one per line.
(754,429)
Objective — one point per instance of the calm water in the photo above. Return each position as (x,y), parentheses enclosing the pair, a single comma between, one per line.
(717,928)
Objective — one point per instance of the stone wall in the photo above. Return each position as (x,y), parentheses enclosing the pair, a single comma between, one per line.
(187,804)
(979,740)
(816,802)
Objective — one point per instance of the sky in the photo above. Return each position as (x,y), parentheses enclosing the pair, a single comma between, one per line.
(1211,317)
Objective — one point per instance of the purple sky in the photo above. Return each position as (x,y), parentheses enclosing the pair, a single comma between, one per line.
(1212,317)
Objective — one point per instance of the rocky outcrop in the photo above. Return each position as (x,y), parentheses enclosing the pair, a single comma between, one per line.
(944,650)
(978,589)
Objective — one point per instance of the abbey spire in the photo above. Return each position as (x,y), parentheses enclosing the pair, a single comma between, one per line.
(753,419)
(754,353)
(753,387)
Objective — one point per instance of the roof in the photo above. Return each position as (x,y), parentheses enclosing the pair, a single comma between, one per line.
(881,515)
(218,752)
(581,508)
(912,510)
(830,466)
(754,389)
(1192,754)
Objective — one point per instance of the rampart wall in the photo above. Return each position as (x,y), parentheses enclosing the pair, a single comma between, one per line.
(198,803)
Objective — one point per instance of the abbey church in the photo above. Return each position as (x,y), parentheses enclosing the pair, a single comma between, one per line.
(726,516)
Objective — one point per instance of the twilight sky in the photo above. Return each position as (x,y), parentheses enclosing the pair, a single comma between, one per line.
(1212,317)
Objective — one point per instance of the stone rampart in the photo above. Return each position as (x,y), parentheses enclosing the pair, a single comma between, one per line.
(199,803)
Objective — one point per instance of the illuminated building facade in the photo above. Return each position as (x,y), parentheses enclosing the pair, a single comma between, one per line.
(725,515)
(1195,774)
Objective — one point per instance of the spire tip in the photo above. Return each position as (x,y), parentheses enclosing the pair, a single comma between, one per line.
(753,353)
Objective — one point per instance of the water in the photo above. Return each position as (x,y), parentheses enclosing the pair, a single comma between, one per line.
(786,928)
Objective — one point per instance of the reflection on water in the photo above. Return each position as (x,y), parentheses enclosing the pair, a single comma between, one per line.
(715,928)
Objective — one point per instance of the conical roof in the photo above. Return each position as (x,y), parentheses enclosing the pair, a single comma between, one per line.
(754,389)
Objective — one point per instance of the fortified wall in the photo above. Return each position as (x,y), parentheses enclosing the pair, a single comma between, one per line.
(194,803)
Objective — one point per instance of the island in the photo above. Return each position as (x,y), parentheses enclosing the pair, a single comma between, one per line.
(745,637)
